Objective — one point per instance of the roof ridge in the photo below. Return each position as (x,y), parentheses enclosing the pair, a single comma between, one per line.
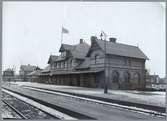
(122,49)
(119,43)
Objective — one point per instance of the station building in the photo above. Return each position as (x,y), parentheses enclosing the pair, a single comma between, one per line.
(86,65)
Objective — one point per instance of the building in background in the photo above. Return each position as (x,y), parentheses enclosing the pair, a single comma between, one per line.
(83,65)
(8,75)
(17,78)
(34,76)
(25,70)
(155,82)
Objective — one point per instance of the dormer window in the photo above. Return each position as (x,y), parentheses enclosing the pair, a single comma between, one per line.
(63,54)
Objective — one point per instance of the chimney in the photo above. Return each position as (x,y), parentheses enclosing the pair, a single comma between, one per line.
(81,41)
(112,39)
(93,38)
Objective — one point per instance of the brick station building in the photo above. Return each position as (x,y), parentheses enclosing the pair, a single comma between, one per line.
(83,65)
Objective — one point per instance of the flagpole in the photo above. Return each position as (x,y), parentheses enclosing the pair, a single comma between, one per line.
(61,34)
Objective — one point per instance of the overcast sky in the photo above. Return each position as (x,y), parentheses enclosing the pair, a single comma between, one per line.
(32,30)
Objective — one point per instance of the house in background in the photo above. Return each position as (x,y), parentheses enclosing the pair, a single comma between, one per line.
(8,75)
(83,65)
(25,70)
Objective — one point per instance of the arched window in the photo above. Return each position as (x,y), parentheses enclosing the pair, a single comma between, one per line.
(115,77)
(127,77)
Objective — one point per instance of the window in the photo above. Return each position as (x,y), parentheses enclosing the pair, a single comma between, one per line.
(52,66)
(96,58)
(59,65)
(63,64)
(128,61)
(55,65)
(71,63)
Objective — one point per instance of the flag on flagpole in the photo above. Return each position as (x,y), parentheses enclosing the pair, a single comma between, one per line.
(64,30)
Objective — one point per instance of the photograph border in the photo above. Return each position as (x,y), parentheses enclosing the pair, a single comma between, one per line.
(1,22)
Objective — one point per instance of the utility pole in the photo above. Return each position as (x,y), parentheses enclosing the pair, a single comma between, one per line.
(105,62)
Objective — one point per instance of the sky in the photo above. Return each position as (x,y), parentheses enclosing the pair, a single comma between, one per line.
(32,30)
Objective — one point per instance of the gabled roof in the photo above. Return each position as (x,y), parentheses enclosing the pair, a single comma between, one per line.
(120,49)
(80,51)
(85,64)
(66,47)
(52,58)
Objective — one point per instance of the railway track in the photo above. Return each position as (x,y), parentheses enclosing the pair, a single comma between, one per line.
(15,110)
(24,110)
(140,108)
(71,115)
